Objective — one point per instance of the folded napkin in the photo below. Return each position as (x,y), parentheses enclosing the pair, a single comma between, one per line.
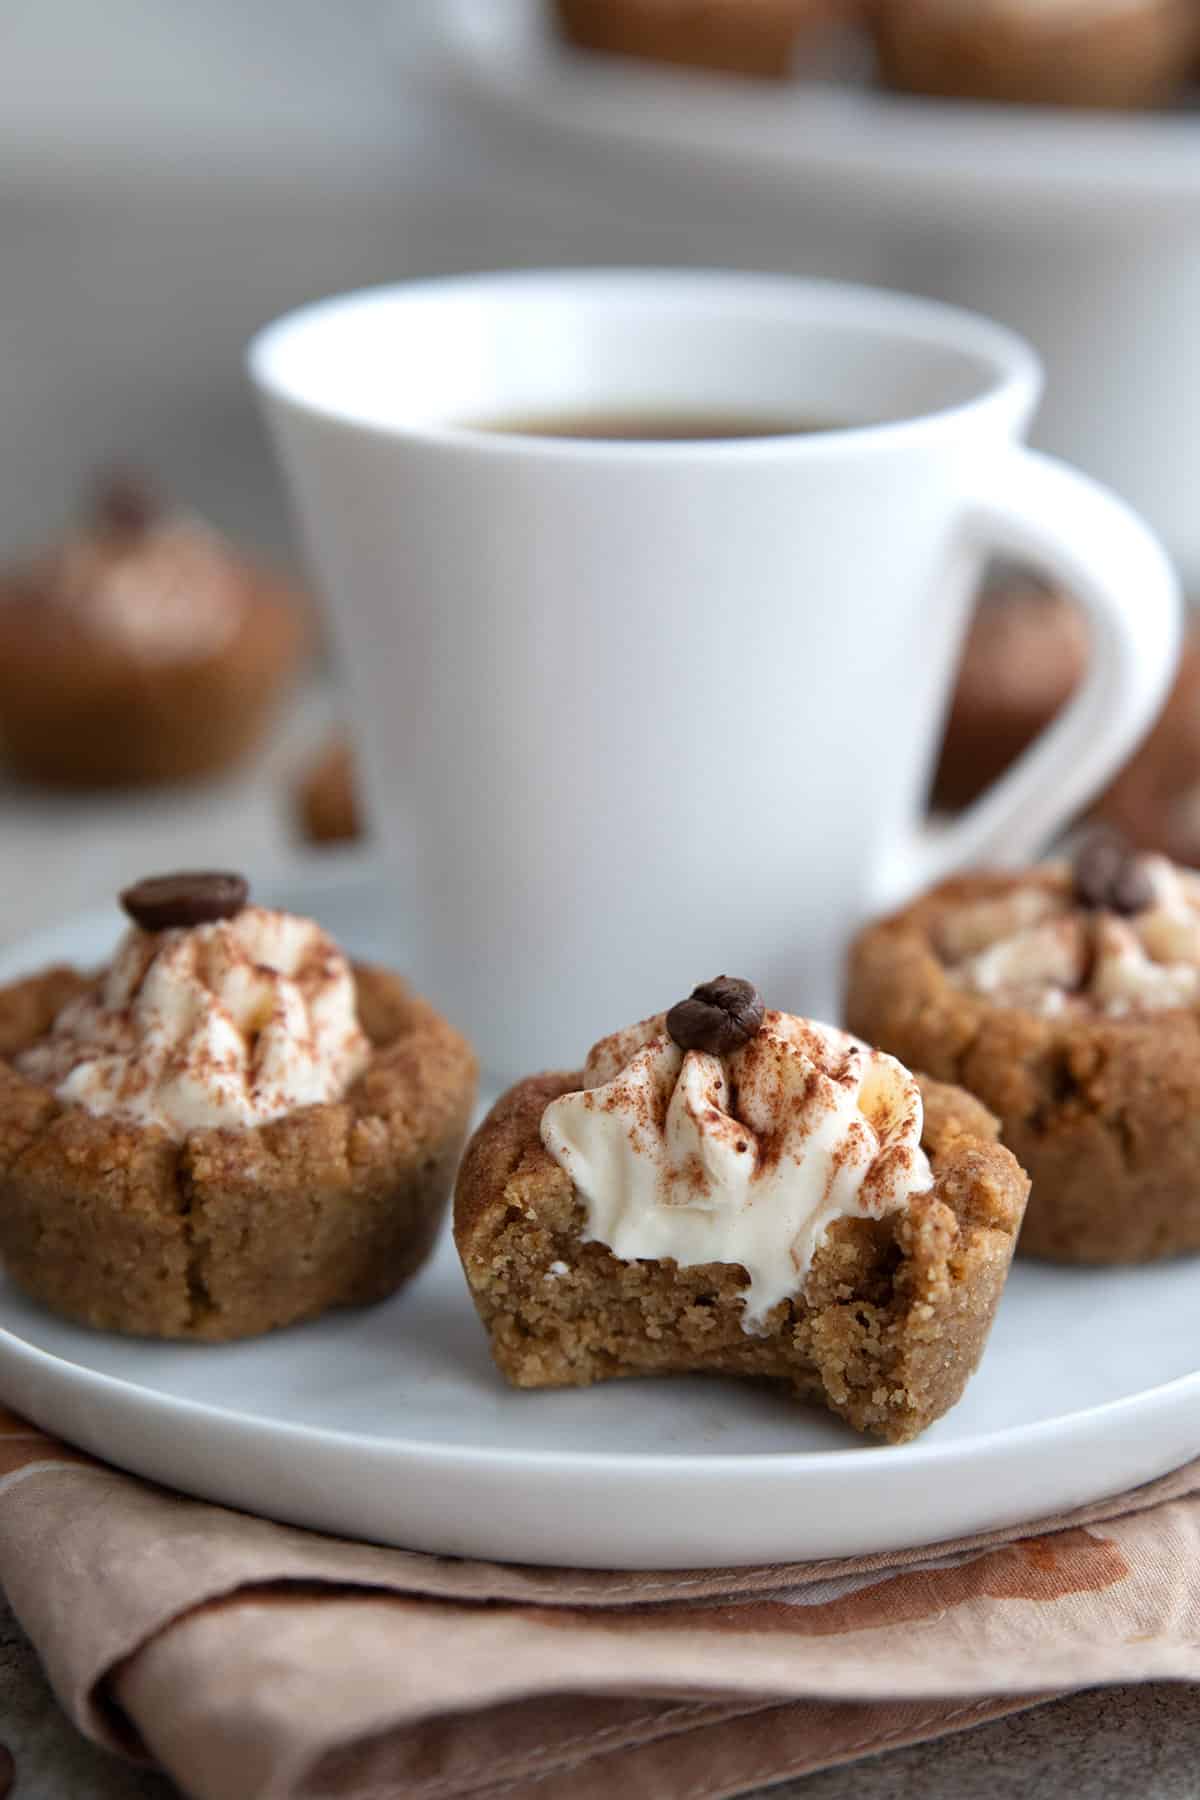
(254,1661)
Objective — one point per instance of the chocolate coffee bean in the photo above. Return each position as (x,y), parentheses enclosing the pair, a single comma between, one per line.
(717,1017)
(125,504)
(1108,876)
(1097,863)
(193,897)
(1132,890)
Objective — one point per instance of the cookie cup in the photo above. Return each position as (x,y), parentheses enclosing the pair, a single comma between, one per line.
(80,711)
(227,1234)
(1135,55)
(1103,1112)
(894,1314)
(741,37)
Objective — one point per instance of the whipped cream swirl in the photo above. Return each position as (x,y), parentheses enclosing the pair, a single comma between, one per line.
(225,1025)
(1036,948)
(746,1158)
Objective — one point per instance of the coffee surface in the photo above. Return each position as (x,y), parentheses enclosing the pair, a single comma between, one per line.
(655,427)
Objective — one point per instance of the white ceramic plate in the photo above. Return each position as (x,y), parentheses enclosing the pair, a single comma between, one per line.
(391,1424)
(888,148)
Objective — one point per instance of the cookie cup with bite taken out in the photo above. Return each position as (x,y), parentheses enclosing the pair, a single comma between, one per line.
(785,1204)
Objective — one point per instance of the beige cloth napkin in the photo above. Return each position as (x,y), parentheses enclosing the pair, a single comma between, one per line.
(254,1661)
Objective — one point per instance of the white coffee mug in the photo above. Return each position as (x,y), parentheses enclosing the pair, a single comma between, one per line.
(633,714)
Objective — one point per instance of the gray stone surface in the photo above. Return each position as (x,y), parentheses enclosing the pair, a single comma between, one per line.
(1095,1746)
(1104,1745)
(53,1762)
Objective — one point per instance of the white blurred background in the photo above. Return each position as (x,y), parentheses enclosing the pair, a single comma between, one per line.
(172,175)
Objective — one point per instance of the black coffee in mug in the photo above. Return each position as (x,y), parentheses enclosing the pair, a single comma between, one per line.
(655,427)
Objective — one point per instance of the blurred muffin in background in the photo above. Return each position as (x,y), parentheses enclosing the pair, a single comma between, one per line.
(1026,653)
(1105,53)
(325,800)
(742,37)
(144,648)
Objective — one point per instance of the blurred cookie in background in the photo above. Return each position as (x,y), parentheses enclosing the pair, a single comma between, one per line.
(144,648)
(1155,800)
(1097,53)
(325,799)
(761,38)
(1026,653)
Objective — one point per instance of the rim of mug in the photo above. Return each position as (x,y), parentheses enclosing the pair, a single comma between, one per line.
(1015,385)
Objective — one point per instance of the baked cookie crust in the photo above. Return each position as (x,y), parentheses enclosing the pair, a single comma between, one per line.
(892,1322)
(227,1234)
(1103,1112)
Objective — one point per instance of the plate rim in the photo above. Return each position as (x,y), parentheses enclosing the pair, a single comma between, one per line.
(360,875)
(438,1496)
(1083,1421)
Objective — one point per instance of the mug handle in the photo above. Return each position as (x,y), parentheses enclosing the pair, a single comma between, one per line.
(1058,521)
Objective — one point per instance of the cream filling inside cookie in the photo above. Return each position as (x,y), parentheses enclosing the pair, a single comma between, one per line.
(740,1159)
(229,1024)
(1036,948)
